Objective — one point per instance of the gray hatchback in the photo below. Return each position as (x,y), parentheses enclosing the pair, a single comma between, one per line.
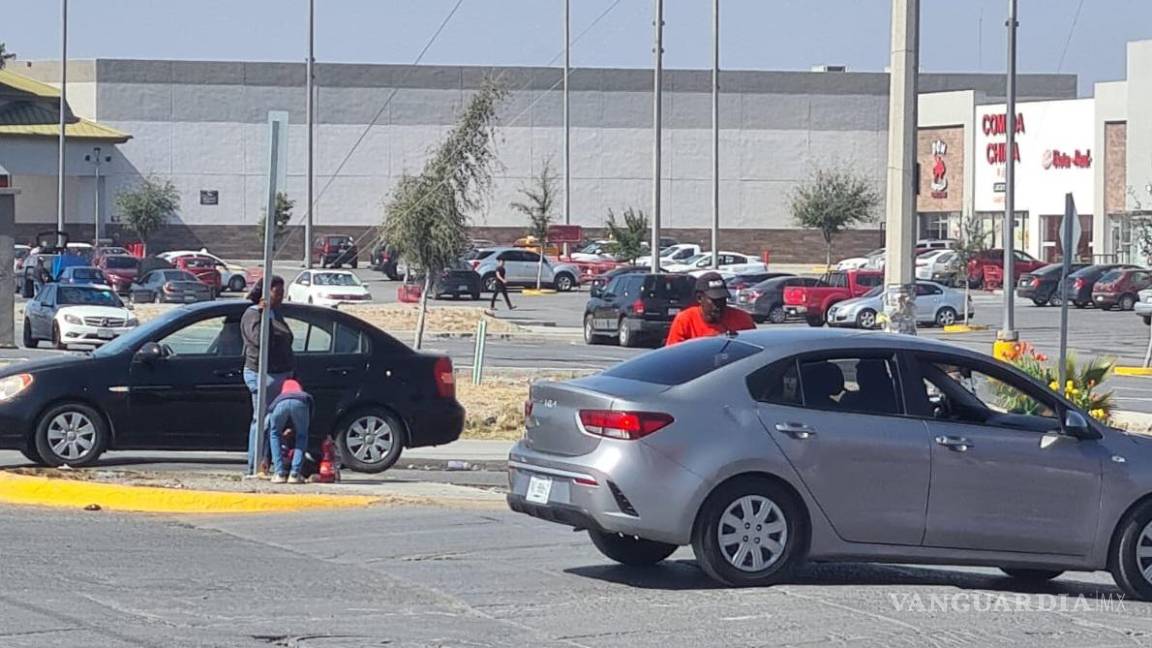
(766,449)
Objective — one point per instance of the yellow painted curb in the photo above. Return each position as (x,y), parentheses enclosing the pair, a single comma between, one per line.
(532,292)
(67,493)
(1133,371)
(964,328)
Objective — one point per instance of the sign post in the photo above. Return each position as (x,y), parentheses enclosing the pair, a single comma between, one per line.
(1071,242)
(7,245)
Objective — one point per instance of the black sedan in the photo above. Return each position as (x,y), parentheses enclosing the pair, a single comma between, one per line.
(176,383)
(765,301)
(457,281)
(1040,285)
(1077,287)
(170,287)
(600,281)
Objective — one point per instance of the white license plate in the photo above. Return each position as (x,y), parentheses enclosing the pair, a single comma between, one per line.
(105,334)
(673,311)
(538,490)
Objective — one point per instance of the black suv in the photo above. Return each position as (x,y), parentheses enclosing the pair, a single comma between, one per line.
(636,308)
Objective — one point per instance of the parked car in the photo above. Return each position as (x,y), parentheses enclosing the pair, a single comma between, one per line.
(923,245)
(765,301)
(108,250)
(121,272)
(1077,288)
(1144,305)
(1024,262)
(941,266)
(860,262)
(385,259)
(458,281)
(170,287)
(601,280)
(1040,284)
(829,450)
(232,276)
(176,383)
(671,255)
(1120,288)
(327,288)
(595,251)
(935,305)
(636,308)
(83,275)
(335,250)
(812,302)
(521,267)
(204,269)
(70,314)
(732,262)
(742,281)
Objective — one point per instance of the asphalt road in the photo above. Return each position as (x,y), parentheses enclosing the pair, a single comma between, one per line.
(442,577)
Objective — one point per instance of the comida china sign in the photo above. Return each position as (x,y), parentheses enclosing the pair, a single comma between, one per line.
(1053,155)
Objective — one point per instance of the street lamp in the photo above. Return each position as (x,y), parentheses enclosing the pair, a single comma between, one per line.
(97,159)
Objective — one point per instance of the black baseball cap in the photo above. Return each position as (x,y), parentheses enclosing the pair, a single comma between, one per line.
(712,285)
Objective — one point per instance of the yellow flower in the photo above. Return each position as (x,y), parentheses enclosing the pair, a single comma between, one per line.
(1069,385)
(1053,385)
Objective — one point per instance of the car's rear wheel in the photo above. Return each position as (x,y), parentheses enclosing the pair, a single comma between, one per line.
(489,282)
(29,341)
(57,341)
(750,531)
(475,295)
(237,284)
(1127,302)
(1131,557)
(1147,320)
(1055,300)
(371,440)
(866,319)
(946,316)
(625,335)
(1039,302)
(776,314)
(1031,575)
(815,321)
(71,433)
(590,335)
(563,282)
(1080,304)
(630,550)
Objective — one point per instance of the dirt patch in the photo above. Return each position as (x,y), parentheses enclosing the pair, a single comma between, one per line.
(495,408)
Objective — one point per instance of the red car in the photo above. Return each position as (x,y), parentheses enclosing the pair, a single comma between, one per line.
(812,302)
(1024,263)
(204,268)
(121,271)
(1119,288)
(335,250)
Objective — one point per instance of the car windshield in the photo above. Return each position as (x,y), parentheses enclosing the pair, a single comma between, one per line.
(82,296)
(695,258)
(87,274)
(179,275)
(684,362)
(335,279)
(669,252)
(121,262)
(875,292)
(137,336)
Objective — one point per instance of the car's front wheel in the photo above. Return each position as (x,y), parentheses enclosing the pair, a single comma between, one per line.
(371,440)
(57,341)
(30,342)
(630,550)
(777,315)
(750,531)
(71,433)
(590,335)
(237,284)
(1127,302)
(946,316)
(563,282)
(1131,557)
(866,319)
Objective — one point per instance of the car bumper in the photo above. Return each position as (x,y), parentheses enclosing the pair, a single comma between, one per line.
(842,318)
(334,302)
(84,334)
(648,328)
(1143,309)
(611,494)
(796,310)
(1105,301)
(1026,292)
(437,423)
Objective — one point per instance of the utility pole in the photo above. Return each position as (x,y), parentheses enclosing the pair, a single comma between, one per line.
(900,294)
(715,133)
(97,159)
(1008,335)
(63,113)
(657,78)
(308,108)
(567,123)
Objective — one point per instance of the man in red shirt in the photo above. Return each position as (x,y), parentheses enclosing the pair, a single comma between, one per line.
(710,315)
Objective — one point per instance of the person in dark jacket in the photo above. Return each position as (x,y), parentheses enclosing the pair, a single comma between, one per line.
(292,410)
(281,361)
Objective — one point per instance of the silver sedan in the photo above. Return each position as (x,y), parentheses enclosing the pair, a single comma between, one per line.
(769,448)
(935,304)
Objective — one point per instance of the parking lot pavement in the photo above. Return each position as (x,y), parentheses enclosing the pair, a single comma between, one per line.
(442,577)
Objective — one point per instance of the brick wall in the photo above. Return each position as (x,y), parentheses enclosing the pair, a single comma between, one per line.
(1115,167)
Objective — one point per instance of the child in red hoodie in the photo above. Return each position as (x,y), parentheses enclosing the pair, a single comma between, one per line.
(291,409)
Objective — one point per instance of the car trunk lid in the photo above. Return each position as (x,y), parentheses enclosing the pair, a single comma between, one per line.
(552,412)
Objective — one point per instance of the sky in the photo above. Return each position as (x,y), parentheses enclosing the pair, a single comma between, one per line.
(1083,37)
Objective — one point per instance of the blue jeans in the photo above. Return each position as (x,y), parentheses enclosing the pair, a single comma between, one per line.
(252,380)
(288,414)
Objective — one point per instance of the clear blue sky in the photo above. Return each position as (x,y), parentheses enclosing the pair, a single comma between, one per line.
(957,35)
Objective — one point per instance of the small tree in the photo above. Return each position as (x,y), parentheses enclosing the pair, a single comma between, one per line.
(539,199)
(147,207)
(426,219)
(972,241)
(284,209)
(833,201)
(1142,237)
(5,56)
(629,236)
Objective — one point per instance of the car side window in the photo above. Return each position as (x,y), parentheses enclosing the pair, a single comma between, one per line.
(530,257)
(214,336)
(349,339)
(48,296)
(870,281)
(965,392)
(778,384)
(305,279)
(310,337)
(613,286)
(925,289)
(863,385)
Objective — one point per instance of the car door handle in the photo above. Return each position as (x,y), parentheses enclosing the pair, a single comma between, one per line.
(227,373)
(958,444)
(341,371)
(796,430)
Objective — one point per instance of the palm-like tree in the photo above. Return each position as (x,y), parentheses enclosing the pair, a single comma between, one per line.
(5,56)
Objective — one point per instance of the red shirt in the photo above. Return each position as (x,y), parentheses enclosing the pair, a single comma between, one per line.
(690,324)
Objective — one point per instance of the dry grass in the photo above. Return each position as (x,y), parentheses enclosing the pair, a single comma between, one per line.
(496,407)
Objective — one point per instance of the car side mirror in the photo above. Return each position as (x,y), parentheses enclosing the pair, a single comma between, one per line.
(1075,425)
(150,352)
(596,291)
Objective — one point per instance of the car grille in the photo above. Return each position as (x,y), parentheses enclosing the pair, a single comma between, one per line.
(104,322)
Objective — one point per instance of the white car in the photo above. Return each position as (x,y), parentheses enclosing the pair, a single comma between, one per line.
(732,262)
(67,315)
(938,265)
(671,255)
(861,262)
(233,277)
(327,288)
(595,252)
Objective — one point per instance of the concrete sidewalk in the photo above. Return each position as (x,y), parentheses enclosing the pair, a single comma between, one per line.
(462,450)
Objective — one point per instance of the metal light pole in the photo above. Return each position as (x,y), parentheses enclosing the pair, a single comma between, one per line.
(567,123)
(657,79)
(1008,334)
(900,294)
(63,112)
(309,118)
(715,133)
(97,159)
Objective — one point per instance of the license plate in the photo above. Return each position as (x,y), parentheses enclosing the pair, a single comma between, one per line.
(673,311)
(105,334)
(538,490)
(462,287)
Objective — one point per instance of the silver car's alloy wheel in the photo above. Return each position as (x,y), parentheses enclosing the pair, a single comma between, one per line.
(71,435)
(370,438)
(752,533)
(867,319)
(1144,552)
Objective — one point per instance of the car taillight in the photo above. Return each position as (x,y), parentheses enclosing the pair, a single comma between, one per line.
(475,263)
(754,295)
(168,287)
(638,307)
(1035,282)
(623,425)
(1078,284)
(445,378)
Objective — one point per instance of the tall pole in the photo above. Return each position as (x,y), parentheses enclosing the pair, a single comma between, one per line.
(63,113)
(96,193)
(715,133)
(1008,333)
(309,118)
(657,79)
(567,123)
(900,294)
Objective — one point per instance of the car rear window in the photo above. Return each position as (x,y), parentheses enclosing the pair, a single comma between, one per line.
(1111,275)
(684,362)
(669,287)
(121,263)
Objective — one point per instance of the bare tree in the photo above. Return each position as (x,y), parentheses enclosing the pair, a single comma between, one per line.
(539,201)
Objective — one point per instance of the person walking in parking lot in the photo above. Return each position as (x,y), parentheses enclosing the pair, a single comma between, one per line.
(501,286)
(290,411)
(281,360)
(710,315)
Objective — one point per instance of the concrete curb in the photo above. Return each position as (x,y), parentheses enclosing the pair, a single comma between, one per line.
(66,493)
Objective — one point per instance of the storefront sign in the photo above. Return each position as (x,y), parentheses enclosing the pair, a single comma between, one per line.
(209,197)
(1056,159)
(939,183)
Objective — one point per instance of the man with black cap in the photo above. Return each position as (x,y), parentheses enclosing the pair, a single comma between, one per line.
(710,315)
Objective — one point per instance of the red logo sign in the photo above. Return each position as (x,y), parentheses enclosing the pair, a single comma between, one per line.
(939,183)
(1056,159)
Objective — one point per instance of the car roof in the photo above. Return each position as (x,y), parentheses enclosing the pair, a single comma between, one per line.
(784,342)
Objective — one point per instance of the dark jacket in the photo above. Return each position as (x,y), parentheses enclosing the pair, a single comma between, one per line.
(280,356)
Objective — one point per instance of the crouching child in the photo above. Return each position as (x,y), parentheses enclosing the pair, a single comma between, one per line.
(292,409)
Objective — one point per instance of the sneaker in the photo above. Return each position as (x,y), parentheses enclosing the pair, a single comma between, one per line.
(278,479)
(295,479)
